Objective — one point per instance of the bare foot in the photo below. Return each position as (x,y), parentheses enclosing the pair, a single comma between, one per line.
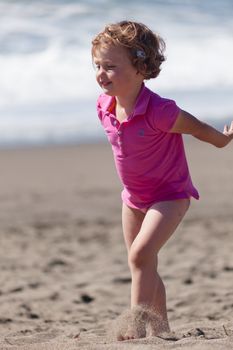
(156,324)
(132,324)
(138,322)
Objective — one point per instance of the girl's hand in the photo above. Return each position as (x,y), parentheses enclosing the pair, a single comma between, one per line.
(228,131)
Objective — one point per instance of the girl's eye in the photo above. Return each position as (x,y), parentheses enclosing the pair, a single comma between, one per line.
(106,68)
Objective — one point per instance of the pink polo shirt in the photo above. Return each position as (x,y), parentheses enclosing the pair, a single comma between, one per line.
(150,161)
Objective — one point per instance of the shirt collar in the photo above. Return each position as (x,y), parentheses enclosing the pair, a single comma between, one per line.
(140,104)
(141,101)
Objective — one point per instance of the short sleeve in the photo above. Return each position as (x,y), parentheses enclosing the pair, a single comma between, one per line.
(165,114)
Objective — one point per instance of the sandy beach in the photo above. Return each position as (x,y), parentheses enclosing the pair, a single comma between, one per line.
(64,275)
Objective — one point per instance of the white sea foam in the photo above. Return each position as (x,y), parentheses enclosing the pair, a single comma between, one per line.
(46,68)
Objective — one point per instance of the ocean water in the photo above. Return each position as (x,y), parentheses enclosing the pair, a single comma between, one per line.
(47,83)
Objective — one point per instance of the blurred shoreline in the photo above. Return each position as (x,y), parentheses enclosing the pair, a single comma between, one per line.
(77,139)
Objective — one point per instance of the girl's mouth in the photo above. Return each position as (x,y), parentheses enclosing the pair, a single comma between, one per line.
(105,84)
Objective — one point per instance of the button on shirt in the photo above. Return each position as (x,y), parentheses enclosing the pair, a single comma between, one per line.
(150,160)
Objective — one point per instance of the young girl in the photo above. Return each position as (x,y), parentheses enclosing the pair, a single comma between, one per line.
(145,131)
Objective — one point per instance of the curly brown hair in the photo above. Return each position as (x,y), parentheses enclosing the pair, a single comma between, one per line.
(145,48)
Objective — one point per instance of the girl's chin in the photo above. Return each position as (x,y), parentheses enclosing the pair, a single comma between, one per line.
(109,93)
(108,90)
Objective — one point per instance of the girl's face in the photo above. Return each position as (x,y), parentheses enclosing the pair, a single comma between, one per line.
(114,72)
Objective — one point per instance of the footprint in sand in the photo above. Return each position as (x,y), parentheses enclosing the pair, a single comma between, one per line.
(41,337)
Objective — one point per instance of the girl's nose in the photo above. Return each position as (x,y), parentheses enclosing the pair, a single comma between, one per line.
(100,73)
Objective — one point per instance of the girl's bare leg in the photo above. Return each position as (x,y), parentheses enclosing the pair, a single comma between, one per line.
(144,235)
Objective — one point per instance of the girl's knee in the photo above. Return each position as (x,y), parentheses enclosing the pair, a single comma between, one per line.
(138,258)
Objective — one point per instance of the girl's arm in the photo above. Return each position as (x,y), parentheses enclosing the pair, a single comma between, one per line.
(188,124)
